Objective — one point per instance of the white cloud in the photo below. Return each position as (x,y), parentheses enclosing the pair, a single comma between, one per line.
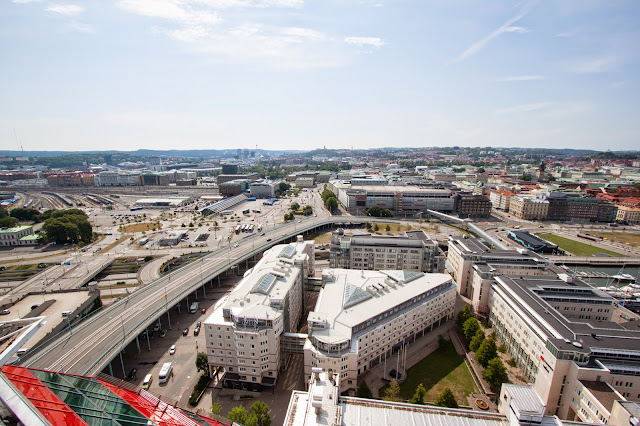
(82,27)
(225,4)
(506,27)
(617,84)
(524,108)
(598,64)
(27,1)
(65,9)
(519,30)
(526,77)
(364,41)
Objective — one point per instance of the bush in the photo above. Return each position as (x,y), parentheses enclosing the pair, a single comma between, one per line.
(502,348)
(203,381)
(446,399)
(364,391)
(470,328)
(148,258)
(512,362)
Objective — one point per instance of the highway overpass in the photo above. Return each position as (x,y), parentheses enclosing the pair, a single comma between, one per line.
(90,346)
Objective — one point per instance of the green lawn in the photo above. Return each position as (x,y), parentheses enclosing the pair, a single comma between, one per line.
(443,368)
(575,247)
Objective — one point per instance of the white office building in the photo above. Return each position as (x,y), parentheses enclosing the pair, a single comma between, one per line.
(243,332)
(361,318)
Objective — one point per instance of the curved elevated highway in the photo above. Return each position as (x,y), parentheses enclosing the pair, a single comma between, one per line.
(91,345)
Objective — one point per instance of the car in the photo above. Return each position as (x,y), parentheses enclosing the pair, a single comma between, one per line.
(5,312)
(204,310)
(262,234)
(147,381)
(132,374)
(235,245)
(198,324)
(196,331)
(172,350)
(284,235)
(42,265)
(268,239)
(143,334)
(185,331)
(156,327)
(164,333)
(34,306)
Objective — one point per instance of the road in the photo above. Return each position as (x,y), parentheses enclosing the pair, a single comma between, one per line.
(96,341)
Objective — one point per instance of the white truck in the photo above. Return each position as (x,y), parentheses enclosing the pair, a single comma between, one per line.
(193,308)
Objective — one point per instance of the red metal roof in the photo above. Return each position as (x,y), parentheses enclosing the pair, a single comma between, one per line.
(48,403)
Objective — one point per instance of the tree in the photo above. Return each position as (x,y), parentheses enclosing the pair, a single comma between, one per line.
(8,222)
(364,391)
(295,206)
(418,396)
(477,340)
(258,414)
(481,170)
(387,228)
(25,214)
(464,314)
(238,414)
(307,210)
(284,187)
(446,399)
(486,352)
(331,204)
(202,363)
(376,227)
(379,212)
(470,328)
(496,373)
(216,408)
(392,393)
(368,225)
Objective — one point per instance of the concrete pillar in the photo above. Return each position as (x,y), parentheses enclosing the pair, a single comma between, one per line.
(124,372)
(138,343)
(110,370)
(148,340)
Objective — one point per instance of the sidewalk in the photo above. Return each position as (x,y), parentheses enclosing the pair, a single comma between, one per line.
(415,353)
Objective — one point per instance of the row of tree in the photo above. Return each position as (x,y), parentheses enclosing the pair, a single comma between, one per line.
(495,373)
(330,199)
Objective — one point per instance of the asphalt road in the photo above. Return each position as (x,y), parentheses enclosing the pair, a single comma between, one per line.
(98,340)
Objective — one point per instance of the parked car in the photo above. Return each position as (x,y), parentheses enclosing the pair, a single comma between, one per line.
(5,312)
(172,350)
(185,331)
(156,327)
(198,324)
(164,333)
(196,331)
(132,374)
(204,310)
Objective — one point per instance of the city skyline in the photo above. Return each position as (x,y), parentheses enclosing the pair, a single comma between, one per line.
(298,75)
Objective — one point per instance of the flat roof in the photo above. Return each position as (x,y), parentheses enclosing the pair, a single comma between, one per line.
(14,229)
(603,392)
(350,297)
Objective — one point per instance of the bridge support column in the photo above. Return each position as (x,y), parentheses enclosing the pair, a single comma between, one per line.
(204,291)
(196,293)
(111,370)
(169,318)
(124,372)
(138,343)
(148,341)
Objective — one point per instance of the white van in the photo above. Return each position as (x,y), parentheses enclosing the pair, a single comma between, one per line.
(165,372)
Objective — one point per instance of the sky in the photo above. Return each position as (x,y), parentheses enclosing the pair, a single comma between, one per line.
(305,74)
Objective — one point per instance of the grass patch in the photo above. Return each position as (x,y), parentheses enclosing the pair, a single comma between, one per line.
(139,227)
(321,238)
(576,247)
(442,368)
(617,237)
(113,244)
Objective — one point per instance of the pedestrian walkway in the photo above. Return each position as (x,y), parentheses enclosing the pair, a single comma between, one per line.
(378,376)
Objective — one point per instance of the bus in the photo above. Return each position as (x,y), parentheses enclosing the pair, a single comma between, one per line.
(165,372)
(238,228)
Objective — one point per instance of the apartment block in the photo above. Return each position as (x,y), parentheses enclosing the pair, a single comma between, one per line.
(501,199)
(414,250)
(362,318)
(243,334)
(472,205)
(529,208)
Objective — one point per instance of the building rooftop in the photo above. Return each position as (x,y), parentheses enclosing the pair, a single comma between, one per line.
(349,297)
(261,291)
(14,229)
(525,398)
(603,392)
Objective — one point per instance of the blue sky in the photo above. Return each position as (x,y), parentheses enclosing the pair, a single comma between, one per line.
(301,74)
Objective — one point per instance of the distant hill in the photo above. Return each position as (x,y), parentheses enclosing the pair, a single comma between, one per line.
(196,153)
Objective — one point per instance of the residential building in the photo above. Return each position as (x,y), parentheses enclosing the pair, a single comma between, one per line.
(529,208)
(471,205)
(363,317)
(500,199)
(414,250)
(630,215)
(243,334)
(18,236)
